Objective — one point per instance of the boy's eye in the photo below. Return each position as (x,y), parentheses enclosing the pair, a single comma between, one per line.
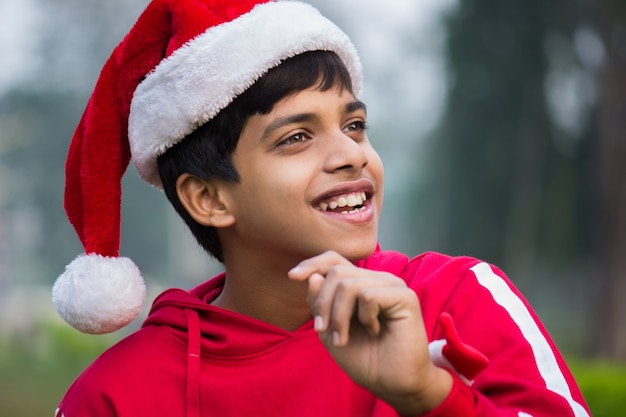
(355,126)
(294,139)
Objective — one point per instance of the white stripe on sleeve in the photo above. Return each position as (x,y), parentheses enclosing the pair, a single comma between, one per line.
(544,356)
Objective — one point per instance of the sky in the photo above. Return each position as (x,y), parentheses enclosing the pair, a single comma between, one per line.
(18,27)
(380,33)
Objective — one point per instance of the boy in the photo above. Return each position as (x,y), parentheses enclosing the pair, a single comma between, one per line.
(248,116)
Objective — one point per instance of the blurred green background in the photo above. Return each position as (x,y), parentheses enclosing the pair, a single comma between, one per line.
(501,123)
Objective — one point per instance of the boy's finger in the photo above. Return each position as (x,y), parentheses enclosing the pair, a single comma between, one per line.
(320,264)
(342,308)
(316,281)
(342,298)
(321,297)
(333,302)
(394,303)
(368,311)
(362,299)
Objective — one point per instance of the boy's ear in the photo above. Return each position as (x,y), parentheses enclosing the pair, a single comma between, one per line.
(202,200)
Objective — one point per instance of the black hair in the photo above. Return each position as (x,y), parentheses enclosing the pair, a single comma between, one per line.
(206,152)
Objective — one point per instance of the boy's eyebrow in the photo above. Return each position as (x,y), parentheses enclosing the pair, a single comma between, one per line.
(305,117)
(356,105)
(283,121)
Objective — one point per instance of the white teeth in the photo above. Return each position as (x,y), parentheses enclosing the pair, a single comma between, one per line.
(349,200)
(353,200)
(353,211)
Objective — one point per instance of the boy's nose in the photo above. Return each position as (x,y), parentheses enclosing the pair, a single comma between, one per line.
(344,153)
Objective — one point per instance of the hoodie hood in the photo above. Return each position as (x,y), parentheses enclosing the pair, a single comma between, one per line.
(212,332)
(223,333)
(226,334)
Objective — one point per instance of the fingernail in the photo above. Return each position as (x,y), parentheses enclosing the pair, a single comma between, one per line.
(336,338)
(318,323)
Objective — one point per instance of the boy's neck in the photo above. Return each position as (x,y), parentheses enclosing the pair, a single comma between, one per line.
(260,290)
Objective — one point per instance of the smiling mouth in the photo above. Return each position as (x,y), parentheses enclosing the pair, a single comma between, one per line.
(345,203)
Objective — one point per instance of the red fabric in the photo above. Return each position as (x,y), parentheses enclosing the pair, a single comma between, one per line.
(466,360)
(460,402)
(193,363)
(248,367)
(97,158)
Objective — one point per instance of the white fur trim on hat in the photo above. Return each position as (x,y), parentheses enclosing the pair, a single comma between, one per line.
(98,294)
(202,77)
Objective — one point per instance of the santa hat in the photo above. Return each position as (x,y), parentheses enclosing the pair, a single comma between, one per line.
(179,66)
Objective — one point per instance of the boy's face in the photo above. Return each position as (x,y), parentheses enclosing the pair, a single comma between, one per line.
(297,165)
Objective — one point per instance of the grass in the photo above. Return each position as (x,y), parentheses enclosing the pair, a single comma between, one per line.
(603,384)
(30,388)
(37,369)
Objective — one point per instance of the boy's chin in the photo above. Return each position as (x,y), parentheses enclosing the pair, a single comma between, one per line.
(364,250)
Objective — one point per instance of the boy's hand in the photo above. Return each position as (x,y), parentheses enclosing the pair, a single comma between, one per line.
(372,325)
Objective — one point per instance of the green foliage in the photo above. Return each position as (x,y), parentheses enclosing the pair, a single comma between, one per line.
(604,386)
(37,368)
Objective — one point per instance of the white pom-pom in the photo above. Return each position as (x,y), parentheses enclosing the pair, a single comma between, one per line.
(98,294)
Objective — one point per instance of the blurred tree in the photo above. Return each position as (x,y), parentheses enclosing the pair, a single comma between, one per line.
(35,136)
(514,176)
(38,119)
(500,179)
(610,140)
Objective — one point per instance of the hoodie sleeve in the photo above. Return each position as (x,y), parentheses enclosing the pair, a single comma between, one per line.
(519,371)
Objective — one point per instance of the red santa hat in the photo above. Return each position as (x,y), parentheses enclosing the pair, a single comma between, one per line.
(179,66)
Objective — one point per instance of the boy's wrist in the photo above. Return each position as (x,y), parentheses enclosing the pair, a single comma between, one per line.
(428,399)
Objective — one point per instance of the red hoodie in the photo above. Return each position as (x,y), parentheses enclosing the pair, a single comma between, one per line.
(194,359)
